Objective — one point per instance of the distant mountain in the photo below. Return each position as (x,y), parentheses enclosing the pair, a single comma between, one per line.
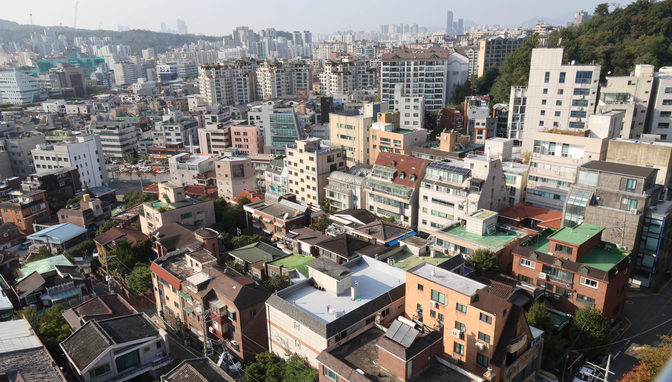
(559,20)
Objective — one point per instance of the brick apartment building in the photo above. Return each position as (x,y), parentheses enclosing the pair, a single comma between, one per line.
(24,209)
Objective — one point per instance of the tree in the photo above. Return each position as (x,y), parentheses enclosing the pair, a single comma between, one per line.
(539,317)
(140,279)
(74,200)
(95,265)
(87,190)
(51,328)
(651,361)
(320,224)
(514,71)
(236,266)
(297,370)
(125,258)
(86,248)
(483,260)
(42,253)
(243,201)
(269,367)
(462,91)
(108,225)
(326,206)
(276,283)
(555,348)
(590,329)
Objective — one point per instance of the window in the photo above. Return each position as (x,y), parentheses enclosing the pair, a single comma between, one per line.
(458,348)
(127,361)
(485,318)
(482,360)
(97,372)
(581,92)
(558,103)
(585,299)
(440,297)
(628,204)
(460,326)
(528,263)
(461,308)
(253,313)
(668,90)
(557,113)
(330,374)
(420,287)
(545,91)
(562,77)
(583,77)
(563,248)
(630,185)
(484,337)
(547,77)
(589,282)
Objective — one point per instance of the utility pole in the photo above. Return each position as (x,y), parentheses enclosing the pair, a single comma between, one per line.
(108,278)
(604,370)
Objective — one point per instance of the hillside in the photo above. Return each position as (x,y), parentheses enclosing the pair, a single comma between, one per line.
(640,33)
(137,39)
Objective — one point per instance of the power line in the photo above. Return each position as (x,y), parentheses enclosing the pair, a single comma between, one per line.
(625,339)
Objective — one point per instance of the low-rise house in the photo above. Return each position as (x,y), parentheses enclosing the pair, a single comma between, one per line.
(61,236)
(275,216)
(197,369)
(347,220)
(6,305)
(485,333)
(107,241)
(414,251)
(173,206)
(479,231)
(98,308)
(235,174)
(523,215)
(8,263)
(345,191)
(337,303)
(343,248)
(63,284)
(25,208)
(189,169)
(254,258)
(576,268)
(304,240)
(88,213)
(9,236)
(382,233)
(118,349)
(23,357)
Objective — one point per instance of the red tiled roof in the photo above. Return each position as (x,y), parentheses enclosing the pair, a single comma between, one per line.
(152,188)
(206,175)
(547,218)
(404,163)
(253,196)
(199,190)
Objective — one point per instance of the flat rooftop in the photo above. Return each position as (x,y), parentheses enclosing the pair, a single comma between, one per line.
(407,261)
(577,235)
(404,131)
(192,159)
(375,278)
(482,214)
(294,261)
(500,239)
(604,257)
(539,242)
(176,265)
(450,280)
(362,352)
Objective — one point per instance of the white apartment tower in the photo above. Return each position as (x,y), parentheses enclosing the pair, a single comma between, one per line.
(228,83)
(282,78)
(662,111)
(558,96)
(85,153)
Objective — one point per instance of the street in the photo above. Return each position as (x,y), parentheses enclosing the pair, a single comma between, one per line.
(647,316)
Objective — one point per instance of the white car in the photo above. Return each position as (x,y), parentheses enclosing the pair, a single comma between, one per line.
(586,374)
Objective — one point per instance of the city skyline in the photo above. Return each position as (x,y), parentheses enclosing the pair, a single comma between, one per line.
(286,17)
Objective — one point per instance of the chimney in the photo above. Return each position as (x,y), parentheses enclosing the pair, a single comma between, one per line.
(432,253)
(353,291)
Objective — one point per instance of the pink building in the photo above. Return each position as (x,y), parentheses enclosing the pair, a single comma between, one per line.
(247,139)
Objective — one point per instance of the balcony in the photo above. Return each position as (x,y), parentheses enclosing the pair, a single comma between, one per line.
(517,343)
(142,368)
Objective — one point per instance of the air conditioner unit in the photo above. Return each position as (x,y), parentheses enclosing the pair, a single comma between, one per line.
(543,276)
(480,345)
(457,333)
(633,211)
(547,294)
(454,360)
(556,297)
(433,304)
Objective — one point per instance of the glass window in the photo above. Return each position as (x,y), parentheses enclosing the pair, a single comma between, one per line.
(461,308)
(330,374)
(482,360)
(440,297)
(458,348)
(562,77)
(484,337)
(485,318)
(584,77)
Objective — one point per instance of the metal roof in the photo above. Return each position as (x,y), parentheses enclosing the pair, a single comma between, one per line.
(59,233)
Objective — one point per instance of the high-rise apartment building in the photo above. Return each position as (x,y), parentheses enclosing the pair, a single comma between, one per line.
(284,128)
(18,146)
(181,27)
(351,130)
(228,83)
(661,117)
(85,153)
(346,75)
(493,50)
(283,78)
(411,109)
(449,24)
(387,135)
(559,96)
(117,138)
(437,72)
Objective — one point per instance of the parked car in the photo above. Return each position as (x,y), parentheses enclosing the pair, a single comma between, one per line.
(233,364)
(25,245)
(586,374)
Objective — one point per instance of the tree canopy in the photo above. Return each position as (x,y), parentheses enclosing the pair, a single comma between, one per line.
(140,279)
(651,361)
(591,328)
(269,367)
(483,259)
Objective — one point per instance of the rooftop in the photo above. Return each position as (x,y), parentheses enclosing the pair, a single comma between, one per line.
(407,261)
(375,278)
(539,242)
(500,239)
(258,251)
(577,235)
(191,158)
(197,370)
(404,131)
(544,217)
(482,214)
(361,354)
(604,257)
(620,168)
(294,261)
(59,233)
(450,280)
(17,335)
(44,265)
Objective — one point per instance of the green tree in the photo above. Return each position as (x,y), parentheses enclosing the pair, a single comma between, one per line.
(51,328)
(297,370)
(42,253)
(86,248)
(74,200)
(555,348)
(539,317)
(590,328)
(87,190)
(483,259)
(56,200)
(269,367)
(651,361)
(125,258)
(326,206)
(140,279)
(514,71)
(276,283)
(462,91)
(320,224)
(95,265)
(106,226)
(236,266)
(242,202)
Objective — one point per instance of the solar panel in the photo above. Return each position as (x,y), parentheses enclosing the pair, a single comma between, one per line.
(393,329)
(449,168)
(409,337)
(401,333)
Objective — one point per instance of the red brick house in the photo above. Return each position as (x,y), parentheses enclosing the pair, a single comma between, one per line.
(275,217)
(576,268)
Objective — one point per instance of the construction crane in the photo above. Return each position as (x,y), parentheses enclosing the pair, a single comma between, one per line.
(74,30)
(31,23)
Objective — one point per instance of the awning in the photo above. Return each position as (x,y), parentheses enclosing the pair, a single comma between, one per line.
(64,295)
(395,241)
(219,304)
(188,310)
(184,295)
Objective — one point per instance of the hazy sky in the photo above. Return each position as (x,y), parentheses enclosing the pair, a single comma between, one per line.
(217,17)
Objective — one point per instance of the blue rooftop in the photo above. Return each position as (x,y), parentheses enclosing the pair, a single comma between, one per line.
(58,233)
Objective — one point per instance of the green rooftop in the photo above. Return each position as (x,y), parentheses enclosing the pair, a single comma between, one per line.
(482,214)
(604,257)
(44,265)
(158,205)
(407,261)
(493,242)
(465,149)
(403,131)
(539,242)
(294,261)
(577,235)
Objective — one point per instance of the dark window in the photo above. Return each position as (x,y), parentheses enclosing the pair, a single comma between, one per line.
(485,318)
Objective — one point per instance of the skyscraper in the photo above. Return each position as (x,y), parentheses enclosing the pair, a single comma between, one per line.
(163,26)
(449,24)
(460,26)
(181,27)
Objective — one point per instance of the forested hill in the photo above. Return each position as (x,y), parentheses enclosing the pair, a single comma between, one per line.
(640,33)
(137,39)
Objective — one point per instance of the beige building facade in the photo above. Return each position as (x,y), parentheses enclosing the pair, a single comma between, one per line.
(235,174)
(309,164)
(352,132)
(173,206)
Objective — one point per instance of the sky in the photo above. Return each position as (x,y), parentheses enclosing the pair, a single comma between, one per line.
(218,18)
